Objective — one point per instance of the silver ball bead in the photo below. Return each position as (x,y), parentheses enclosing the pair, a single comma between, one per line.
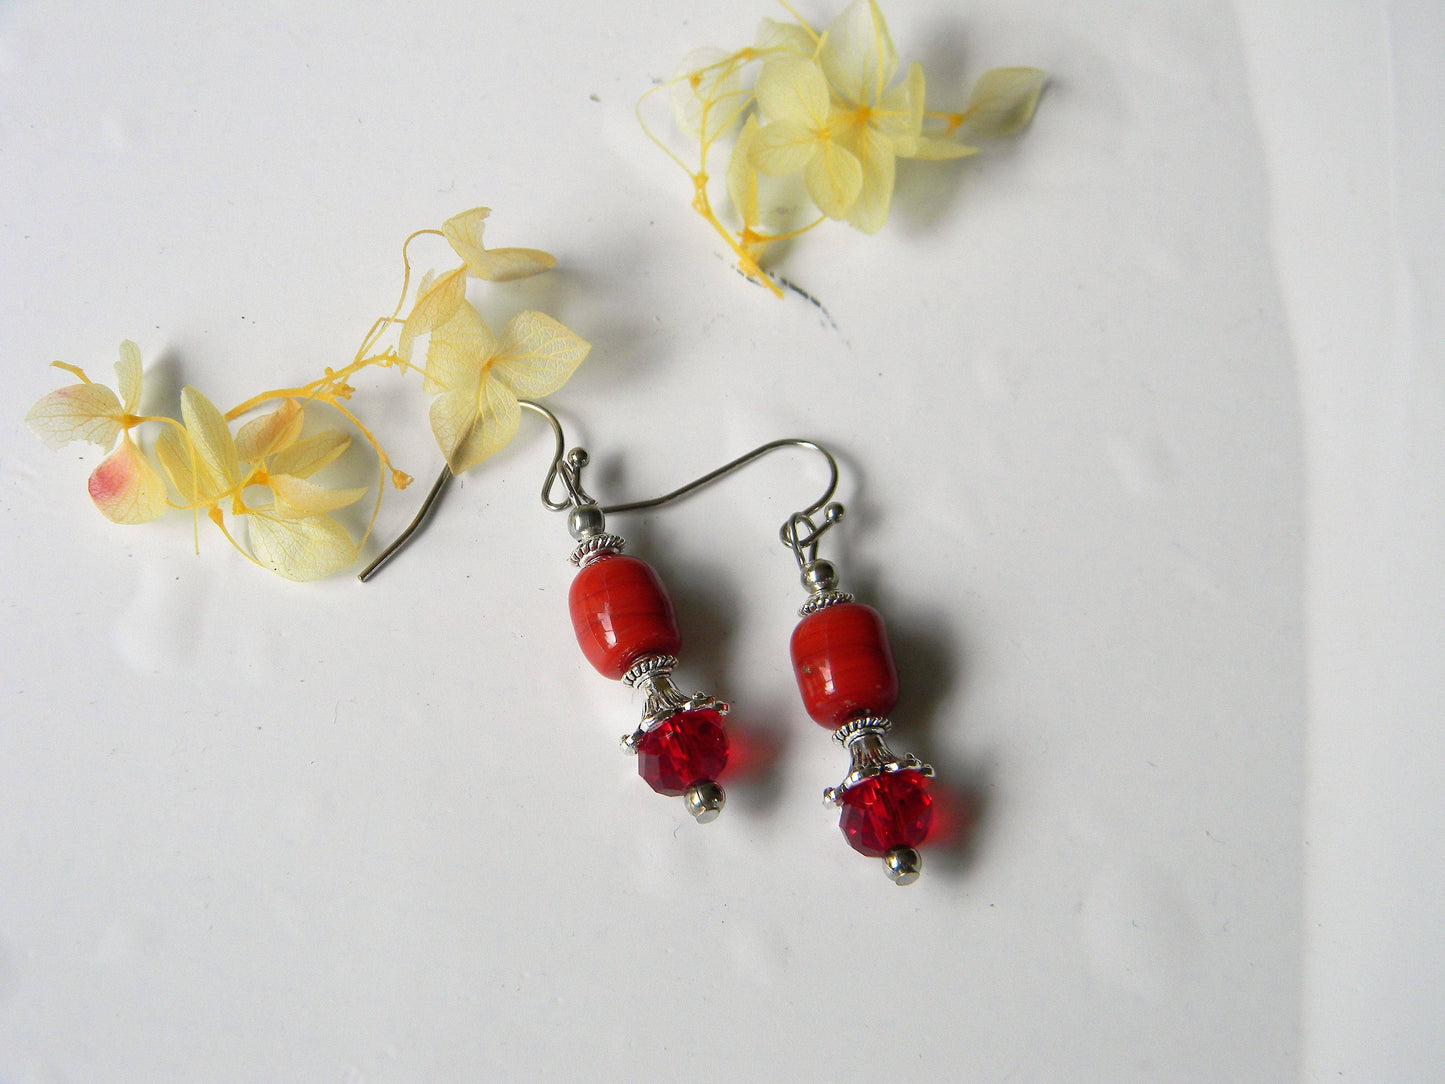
(903,864)
(820,576)
(704,801)
(584,521)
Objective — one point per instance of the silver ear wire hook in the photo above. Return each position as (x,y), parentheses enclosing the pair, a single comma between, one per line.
(567,469)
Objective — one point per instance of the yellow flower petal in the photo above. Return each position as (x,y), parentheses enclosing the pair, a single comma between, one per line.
(834,178)
(742,175)
(794,90)
(464,233)
(89,412)
(706,94)
(215,447)
(457,351)
(776,37)
(128,370)
(931,149)
(858,55)
(875,155)
(538,354)
(296,497)
(783,147)
(306,457)
(1002,102)
(299,549)
(898,116)
(126,487)
(437,301)
(270,433)
(175,453)
(469,428)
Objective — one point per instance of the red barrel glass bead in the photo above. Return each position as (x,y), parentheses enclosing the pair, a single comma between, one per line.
(843,665)
(891,809)
(621,612)
(686,748)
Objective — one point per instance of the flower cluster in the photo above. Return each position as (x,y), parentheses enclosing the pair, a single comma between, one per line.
(825,112)
(262,474)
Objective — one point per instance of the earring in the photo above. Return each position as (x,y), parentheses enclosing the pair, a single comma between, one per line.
(848,683)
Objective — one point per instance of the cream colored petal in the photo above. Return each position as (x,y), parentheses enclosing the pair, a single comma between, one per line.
(742,175)
(175,454)
(215,447)
(834,178)
(89,412)
(1002,102)
(858,55)
(783,147)
(506,264)
(128,372)
(271,432)
(437,300)
(538,354)
(458,350)
(496,424)
(776,37)
(931,149)
(464,231)
(875,155)
(453,416)
(794,90)
(126,487)
(306,457)
(899,116)
(707,97)
(296,497)
(300,549)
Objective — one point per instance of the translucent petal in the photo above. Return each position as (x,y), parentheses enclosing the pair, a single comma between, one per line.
(783,147)
(270,433)
(495,417)
(458,350)
(89,412)
(506,264)
(215,447)
(296,497)
(705,91)
(793,90)
(538,354)
(858,55)
(464,231)
(306,457)
(299,549)
(899,115)
(875,155)
(932,149)
(834,178)
(128,370)
(774,36)
(126,487)
(742,175)
(174,453)
(453,416)
(1002,102)
(437,300)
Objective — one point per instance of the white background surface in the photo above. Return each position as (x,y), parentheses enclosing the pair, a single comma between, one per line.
(1141,420)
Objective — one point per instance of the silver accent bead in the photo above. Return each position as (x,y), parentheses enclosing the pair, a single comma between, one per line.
(903,865)
(586,521)
(596,548)
(819,577)
(822,601)
(705,801)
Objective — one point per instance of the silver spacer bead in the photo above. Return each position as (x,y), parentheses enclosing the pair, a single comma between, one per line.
(647,667)
(903,865)
(820,577)
(705,801)
(823,601)
(871,724)
(595,548)
(586,521)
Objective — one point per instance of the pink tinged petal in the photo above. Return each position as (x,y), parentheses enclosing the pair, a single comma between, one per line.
(495,424)
(458,351)
(271,432)
(127,488)
(128,372)
(437,301)
(875,154)
(858,55)
(89,412)
(215,447)
(538,354)
(306,457)
(834,179)
(296,497)
(794,90)
(300,549)
(783,147)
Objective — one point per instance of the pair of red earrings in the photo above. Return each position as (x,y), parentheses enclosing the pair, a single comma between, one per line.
(626,627)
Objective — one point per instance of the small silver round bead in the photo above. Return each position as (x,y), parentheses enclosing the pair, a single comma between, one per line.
(820,576)
(585,521)
(903,864)
(704,801)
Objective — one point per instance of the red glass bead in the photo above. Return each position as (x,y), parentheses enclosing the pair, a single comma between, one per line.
(621,612)
(891,809)
(689,747)
(843,665)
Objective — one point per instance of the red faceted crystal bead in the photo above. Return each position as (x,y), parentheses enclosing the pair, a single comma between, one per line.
(689,747)
(621,612)
(892,809)
(843,665)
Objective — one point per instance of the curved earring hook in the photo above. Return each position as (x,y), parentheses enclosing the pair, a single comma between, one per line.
(567,468)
